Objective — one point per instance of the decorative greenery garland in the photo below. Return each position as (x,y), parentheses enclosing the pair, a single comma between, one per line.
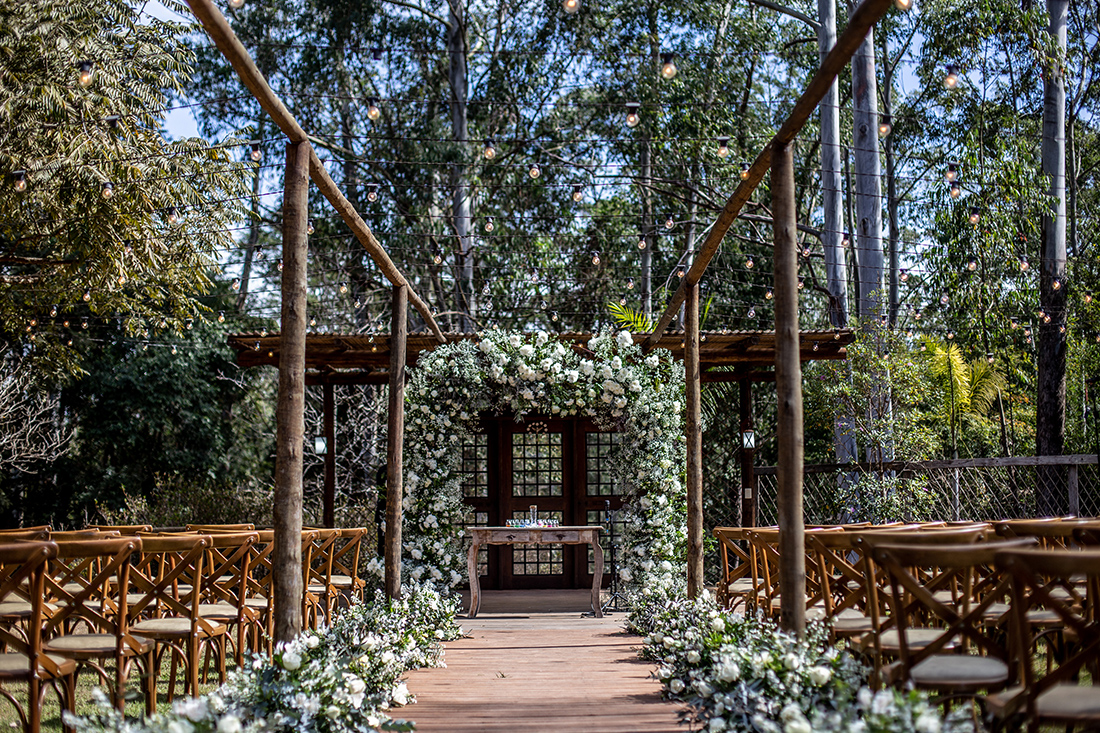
(614,384)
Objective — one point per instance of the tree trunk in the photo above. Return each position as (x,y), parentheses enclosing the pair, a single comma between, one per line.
(395,445)
(460,202)
(290,411)
(832,203)
(694,430)
(1050,417)
(648,233)
(254,225)
(868,191)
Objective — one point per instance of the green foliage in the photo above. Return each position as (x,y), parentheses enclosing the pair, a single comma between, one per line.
(68,252)
(177,501)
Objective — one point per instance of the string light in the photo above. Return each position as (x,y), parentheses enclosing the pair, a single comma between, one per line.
(236,4)
(237,281)
(1088,297)
(845,240)
(836,334)
(669,223)
(668,66)
(972,264)
(975,214)
(121,280)
(806,251)
(1061,328)
(373,111)
(956,189)
(952,173)
(945,299)
(916,314)
(189,323)
(632,115)
(1027,331)
(221,316)
(752,311)
(343,288)
(86,71)
(950,335)
(801,283)
(437,256)
(489,225)
(903,5)
(578,192)
(951,79)
(744,171)
(554,316)
(571,6)
(1056,283)
(749,262)
(173,349)
(595,258)
(641,241)
(107,190)
(622,299)
(533,275)
(312,322)
(278,266)
(903,273)
(20,180)
(680,271)
(816,346)
(1024,264)
(309,227)
(1046,318)
(769,295)
(1014,323)
(485,289)
(53,311)
(257,153)
(84,323)
(87,295)
(372,192)
(630,283)
(534,171)
(173,215)
(885,126)
(490,149)
(723,147)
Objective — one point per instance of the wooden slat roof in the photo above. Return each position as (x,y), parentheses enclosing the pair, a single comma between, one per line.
(365,358)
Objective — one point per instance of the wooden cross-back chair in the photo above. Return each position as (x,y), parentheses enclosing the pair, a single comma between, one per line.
(88,584)
(1053,534)
(127,530)
(345,581)
(40,533)
(23,580)
(223,588)
(1057,697)
(839,568)
(736,584)
(764,555)
(166,592)
(259,594)
(965,656)
(317,558)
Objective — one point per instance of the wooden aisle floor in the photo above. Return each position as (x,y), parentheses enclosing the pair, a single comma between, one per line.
(533,663)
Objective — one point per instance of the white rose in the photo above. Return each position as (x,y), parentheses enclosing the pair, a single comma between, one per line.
(729,672)
(192,708)
(693,657)
(799,725)
(676,685)
(704,689)
(928,722)
(401,694)
(180,726)
(716,724)
(718,624)
(291,660)
(820,675)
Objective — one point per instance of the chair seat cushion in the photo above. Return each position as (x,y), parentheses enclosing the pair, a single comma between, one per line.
(219,611)
(91,645)
(959,672)
(344,581)
(316,588)
(1061,703)
(21,609)
(917,638)
(15,665)
(256,602)
(174,627)
(849,622)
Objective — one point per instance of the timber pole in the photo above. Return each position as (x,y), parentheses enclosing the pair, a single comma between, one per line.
(290,411)
(861,21)
(748,477)
(788,388)
(330,456)
(695,582)
(395,440)
(220,32)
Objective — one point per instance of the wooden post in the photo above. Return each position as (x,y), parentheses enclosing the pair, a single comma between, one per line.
(330,456)
(395,439)
(748,477)
(788,389)
(290,412)
(695,582)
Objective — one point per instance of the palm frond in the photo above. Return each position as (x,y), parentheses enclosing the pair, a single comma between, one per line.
(630,319)
(986,382)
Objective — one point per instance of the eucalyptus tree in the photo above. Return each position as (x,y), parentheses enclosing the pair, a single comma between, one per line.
(101,218)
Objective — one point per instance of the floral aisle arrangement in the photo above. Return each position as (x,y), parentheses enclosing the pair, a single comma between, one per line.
(338,679)
(742,673)
(613,383)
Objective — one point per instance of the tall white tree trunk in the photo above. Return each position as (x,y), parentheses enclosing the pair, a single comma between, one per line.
(460,201)
(868,193)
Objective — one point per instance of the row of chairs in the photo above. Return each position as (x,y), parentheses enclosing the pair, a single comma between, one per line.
(112,599)
(958,609)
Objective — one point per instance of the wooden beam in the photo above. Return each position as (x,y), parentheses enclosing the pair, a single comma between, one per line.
(788,390)
(862,20)
(290,411)
(694,428)
(329,407)
(395,441)
(219,30)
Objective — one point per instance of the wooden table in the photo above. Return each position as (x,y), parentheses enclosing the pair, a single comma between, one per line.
(534,536)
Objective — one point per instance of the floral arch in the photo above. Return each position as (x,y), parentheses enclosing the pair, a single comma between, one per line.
(613,383)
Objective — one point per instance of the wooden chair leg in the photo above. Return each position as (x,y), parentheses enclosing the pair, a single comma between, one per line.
(34,705)
(152,671)
(193,667)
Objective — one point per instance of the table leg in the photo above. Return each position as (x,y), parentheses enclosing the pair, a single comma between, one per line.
(475,586)
(597,578)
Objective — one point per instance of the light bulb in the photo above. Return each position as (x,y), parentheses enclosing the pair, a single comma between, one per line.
(578,192)
(87,295)
(680,272)
(1056,283)
(951,79)
(630,283)
(1062,328)
(107,190)
(1024,266)
(485,289)
(236,4)
(972,264)
(801,283)
(1014,323)
(571,6)
(952,173)
(257,153)
(749,263)
(437,257)
(989,357)
(641,241)
(845,240)
(312,322)
(173,215)
(554,316)
(1088,297)
(373,112)
(622,299)
(65,323)
(595,258)
(189,324)
(884,126)
(752,311)
(668,66)
(173,348)
(769,295)
(744,171)
(86,70)
(950,334)
(903,5)
(343,288)
(904,274)
(975,214)
(1027,331)
(916,314)
(533,275)
(489,225)
(723,147)
(945,299)
(632,115)
(34,322)
(490,150)
(309,227)
(279,265)
(221,316)
(84,323)
(20,179)
(534,171)
(956,189)
(236,283)
(372,192)
(816,346)
(121,280)
(806,251)
(53,311)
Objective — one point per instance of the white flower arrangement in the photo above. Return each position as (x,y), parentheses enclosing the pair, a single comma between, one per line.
(334,680)
(615,385)
(741,673)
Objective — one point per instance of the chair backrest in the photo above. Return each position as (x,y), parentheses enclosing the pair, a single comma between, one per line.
(167,563)
(81,534)
(41,532)
(740,567)
(242,527)
(23,580)
(88,582)
(126,530)
(228,563)
(918,574)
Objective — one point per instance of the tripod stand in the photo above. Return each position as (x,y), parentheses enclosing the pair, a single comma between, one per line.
(616,595)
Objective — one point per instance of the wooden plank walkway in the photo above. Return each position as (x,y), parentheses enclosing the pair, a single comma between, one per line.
(533,663)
